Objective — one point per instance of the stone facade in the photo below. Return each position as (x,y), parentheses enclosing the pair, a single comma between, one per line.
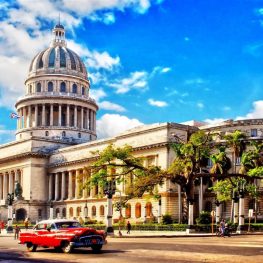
(56,136)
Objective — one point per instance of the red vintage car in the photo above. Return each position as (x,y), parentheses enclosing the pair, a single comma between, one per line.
(63,235)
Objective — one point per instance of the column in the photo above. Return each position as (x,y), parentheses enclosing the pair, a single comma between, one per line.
(36,115)
(59,114)
(75,116)
(11,183)
(50,194)
(89,119)
(29,116)
(77,184)
(70,184)
(1,186)
(51,114)
(68,116)
(56,186)
(241,221)
(43,115)
(81,118)
(5,186)
(63,186)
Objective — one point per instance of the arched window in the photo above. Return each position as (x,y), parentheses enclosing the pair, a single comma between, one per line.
(63,87)
(38,87)
(39,214)
(63,134)
(30,89)
(102,210)
(138,210)
(74,88)
(40,62)
(71,211)
(93,211)
(64,212)
(72,60)
(83,91)
(148,209)
(51,62)
(57,213)
(78,211)
(128,211)
(62,58)
(208,206)
(50,86)
(46,133)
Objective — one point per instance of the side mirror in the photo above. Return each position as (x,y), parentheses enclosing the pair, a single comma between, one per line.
(48,228)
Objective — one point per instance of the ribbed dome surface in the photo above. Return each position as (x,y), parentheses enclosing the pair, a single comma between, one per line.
(58,59)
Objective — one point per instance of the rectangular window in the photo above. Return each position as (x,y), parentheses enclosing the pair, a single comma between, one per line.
(238,160)
(254,132)
(210,163)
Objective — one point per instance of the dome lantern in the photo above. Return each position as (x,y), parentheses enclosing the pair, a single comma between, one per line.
(58,36)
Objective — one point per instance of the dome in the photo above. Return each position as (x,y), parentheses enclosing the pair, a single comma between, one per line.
(57,59)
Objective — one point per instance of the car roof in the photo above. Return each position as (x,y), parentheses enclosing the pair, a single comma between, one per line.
(51,221)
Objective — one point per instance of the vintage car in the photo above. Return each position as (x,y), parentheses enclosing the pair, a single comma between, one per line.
(63,235)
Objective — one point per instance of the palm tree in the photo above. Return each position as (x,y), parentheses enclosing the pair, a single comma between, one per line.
(235,141)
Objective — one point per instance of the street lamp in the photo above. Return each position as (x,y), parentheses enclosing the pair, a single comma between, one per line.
(10,200)
(51,211)
(109,190)
(241,221)
(218,203)
(86,212)
(235,199)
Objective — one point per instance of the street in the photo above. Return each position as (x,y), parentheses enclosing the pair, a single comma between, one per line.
(247,248)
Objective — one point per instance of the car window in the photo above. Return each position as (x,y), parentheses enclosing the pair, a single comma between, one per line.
(67,225)
(53,226)
(41,226)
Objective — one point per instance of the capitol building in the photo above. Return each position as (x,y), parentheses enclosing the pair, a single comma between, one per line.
(55,138)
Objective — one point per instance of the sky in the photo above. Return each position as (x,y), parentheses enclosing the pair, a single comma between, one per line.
(149,61)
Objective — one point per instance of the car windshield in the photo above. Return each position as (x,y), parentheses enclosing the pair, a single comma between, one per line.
(69,224)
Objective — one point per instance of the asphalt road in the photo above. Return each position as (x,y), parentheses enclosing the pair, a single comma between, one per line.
(147,250)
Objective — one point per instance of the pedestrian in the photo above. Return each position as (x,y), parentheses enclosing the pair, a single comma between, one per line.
(2,226)
(17,231)
(222,227)
(26,224)
(128,227)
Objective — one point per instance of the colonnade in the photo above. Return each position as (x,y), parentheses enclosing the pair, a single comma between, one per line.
(68,185)
(7,182)
(53,114)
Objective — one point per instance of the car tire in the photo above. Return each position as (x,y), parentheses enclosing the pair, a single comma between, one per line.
(31,247)
(96,248)
(66,247)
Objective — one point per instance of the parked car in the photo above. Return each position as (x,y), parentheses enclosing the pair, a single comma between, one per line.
(63,234)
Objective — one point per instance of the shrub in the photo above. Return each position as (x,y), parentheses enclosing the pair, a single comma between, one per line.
(204,218)
(167,219)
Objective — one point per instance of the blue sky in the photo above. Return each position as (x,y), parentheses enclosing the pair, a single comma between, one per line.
(148,60)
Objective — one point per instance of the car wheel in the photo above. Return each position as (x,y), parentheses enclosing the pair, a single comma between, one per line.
(96,248)
(31,247)
(66,247)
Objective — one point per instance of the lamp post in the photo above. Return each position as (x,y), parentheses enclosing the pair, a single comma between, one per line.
(10,200)
(86,212)
(109,190)
(218,212)
(51,211)
(235,212)
(241,221)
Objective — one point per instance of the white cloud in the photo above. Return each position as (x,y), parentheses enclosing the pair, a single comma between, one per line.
(214,121)
(200,105)
(136,80)
(157,103)
(196,81)
(110,125)
(106,105)
(7,136)
(159,70)
(257,111)
(226,108)
(97,94)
